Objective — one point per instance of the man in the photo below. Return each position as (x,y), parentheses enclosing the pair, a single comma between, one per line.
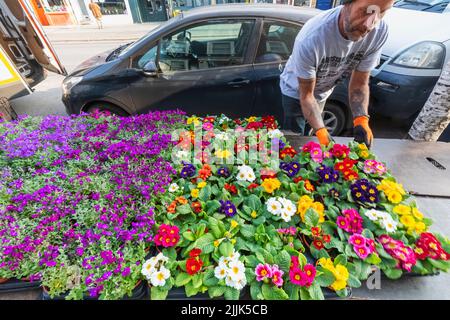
(338,43)
(97,13)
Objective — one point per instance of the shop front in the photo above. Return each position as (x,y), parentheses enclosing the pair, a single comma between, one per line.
(53,12)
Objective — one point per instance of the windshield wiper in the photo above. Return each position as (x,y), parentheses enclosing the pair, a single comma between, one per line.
(115,53)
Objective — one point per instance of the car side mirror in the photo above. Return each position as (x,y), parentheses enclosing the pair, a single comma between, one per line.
(150,69)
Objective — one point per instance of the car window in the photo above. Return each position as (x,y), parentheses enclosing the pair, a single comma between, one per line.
(148,56)
(212,44)
(277,41)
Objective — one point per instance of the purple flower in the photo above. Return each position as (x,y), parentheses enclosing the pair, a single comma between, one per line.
(228,208)
(327,174)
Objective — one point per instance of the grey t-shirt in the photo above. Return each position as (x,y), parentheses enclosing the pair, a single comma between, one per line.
(321,52)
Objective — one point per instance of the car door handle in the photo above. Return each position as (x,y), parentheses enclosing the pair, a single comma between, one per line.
(238,83)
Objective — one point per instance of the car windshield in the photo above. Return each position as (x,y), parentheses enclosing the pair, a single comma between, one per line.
(153,31)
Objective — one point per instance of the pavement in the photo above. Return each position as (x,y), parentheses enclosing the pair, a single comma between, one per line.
(91,33)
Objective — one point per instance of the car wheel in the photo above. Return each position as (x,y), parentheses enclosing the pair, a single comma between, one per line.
(106,107)
(333,118)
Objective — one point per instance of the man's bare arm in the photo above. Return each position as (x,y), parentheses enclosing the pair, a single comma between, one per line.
(359,92)
(310,107)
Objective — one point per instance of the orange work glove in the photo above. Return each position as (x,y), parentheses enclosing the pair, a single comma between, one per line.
(362,131)
(323,136)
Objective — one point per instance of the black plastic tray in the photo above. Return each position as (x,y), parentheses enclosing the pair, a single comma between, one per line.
(180,294)
(16,285)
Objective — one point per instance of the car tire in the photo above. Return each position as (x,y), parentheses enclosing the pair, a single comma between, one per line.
(334,119)
(104,106)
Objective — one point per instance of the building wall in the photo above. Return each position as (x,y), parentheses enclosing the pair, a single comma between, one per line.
(108,19)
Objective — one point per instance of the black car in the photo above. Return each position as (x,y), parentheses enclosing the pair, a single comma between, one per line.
(220,59)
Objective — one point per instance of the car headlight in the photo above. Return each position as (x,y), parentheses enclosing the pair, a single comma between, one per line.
(69,83)
(423,55)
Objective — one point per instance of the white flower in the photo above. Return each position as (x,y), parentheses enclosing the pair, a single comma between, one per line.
(372,214)
(234,256)
(222,136)
(173,187)
(239,285)
(159,278)
(251,176)
(182,154)
(229,281)
(289,207)
(246,173)
(383,215)
(285,216)
(236,271)
(220,272)
(389,224)
(148,268)
(276,133)
(223,261)
(161,257)
(274,206)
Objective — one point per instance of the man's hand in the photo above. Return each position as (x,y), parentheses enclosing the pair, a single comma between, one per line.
(362,131)
(323,136)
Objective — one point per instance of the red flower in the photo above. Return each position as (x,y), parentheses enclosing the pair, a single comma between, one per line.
(195,252)
(326,238)
(298,179)
(231,188)
(316,231)
(252,186)
(318,244)
(194,180)
(340,151)
(288,151)
(209,119)
(254,125)
(350,175)
(237,121)
(197,206)
(267,174)
(193,265)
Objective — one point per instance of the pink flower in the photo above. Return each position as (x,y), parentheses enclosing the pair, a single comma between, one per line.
(277,276)
(361,251)
(298,277)
(317,155)
(342,223)
(310,146)
(310,272)
(208,126)
(263,271)
(357,240)
(294,262)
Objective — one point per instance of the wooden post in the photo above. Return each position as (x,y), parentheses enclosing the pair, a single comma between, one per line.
(435,115)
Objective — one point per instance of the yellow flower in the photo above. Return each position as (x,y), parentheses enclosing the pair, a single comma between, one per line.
(251,119)
(394,197)
(223,154)
(401,209)
(201,185)
(193,119)
(271,184)
(364,154)
(233,241)
(339,285)
(254,214)
(362,146)
(420,227)
(417,214)
(319,209)
(194,193)
(341,274)
(216,243)
(234,224)
(326,263)
(408,221)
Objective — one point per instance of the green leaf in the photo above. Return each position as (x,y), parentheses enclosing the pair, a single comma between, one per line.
(212,206)
(311,218)
(353,281)
(440,264)
(182,279)
(373,259)
(216,291)
(231,293)
(293,291)
(205,194)
(209,279)
(188,235)
(326,279)
(283,260)
(340,259)
(205,243)
(226,249)
(184,209)
(304,294)
(255,291)
(247,231)
(253,202)
(273,293)
(157,294)
(393,273)
(190,289)
(197,281)
(315,292)
(213,224)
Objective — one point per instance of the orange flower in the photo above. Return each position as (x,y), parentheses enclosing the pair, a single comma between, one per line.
(205,172)
(181,200)
(172,207)
(309,186)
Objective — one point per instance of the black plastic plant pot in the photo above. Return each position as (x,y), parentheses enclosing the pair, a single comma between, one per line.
(180,294)
(140,292)
(16,285)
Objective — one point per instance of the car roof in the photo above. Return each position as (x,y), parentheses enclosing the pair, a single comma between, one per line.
(276,11)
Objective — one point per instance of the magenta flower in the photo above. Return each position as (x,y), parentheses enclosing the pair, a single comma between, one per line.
(277,276)
(357,240)
(361,251)
(208,126)
(298,277)
(310,272)
(263,271)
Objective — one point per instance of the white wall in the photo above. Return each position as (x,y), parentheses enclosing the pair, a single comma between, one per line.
(107,19)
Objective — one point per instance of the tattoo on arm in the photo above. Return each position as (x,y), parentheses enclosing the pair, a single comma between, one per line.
(359,101)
